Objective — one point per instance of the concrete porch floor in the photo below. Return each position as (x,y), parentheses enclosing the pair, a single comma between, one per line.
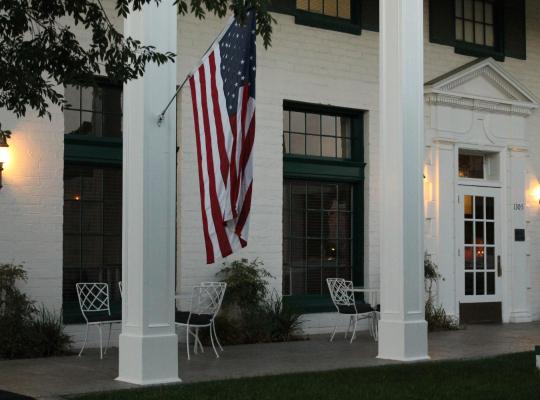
(53,377)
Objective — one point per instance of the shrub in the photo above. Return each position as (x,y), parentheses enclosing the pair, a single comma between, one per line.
(250,314)
(435,315)
(27,331)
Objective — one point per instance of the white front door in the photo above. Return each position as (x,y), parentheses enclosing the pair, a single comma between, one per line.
(479,270)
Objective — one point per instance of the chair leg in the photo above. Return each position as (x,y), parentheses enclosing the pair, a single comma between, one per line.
(198,343)
(85,339)
(215,335)
(354,329)
(108,339)
(335,328)
(187,341)
(349,327)
(212,340)
(100,343)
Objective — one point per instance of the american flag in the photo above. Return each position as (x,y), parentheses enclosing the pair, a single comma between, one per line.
(223,97)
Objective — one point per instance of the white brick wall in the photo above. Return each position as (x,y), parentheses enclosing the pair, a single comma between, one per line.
(304,64)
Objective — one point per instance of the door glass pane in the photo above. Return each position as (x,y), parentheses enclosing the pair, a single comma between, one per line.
(490,233)
(467,206)
(469,284)
(469,257)
(479,233)
(479,207)
(468,232)
(490,258)
(480,283)
(490,208)
(490,283)
(480,258)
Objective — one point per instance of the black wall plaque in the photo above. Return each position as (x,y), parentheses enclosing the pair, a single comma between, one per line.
(519,235)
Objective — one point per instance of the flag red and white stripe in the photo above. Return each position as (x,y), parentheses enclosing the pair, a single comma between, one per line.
(223,98)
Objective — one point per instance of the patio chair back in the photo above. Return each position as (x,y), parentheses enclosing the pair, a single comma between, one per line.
(121,289)
(207,298)
(93,297)
(341,294)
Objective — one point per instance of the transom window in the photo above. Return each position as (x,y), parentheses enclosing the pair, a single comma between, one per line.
(317,135)
(475,22)
(331,8)
(471,166)
(317,234)
(93,111)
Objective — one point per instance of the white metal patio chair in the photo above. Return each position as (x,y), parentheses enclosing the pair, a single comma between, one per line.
(206,300)
(121,289)
(342,293)
(95,308)
(223,285)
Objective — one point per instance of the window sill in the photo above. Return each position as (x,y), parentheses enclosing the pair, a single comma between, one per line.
(326,22)
(474,50)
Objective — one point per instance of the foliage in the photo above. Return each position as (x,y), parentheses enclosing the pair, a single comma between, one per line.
(40,50)
(435,315)
(246,283)
(250,313)
(509,377)
(27,331)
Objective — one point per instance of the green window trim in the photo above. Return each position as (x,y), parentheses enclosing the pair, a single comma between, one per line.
(92,150)
(332,170)
(314,20)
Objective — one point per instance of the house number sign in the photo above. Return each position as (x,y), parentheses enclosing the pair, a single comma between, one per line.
(519,206)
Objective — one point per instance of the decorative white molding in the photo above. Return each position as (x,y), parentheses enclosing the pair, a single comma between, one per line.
(519,101)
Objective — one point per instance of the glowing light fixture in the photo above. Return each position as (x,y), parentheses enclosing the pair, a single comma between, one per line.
(4,154)
(536,194)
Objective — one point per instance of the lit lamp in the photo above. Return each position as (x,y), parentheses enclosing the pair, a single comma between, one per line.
(3,154)
(536,194)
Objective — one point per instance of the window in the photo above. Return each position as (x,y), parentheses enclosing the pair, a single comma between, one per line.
(331,8)
(471,166)
(92,231)
(475,22)
(93,111)
(337,15)
(318,135)
(317,222)
(322,201)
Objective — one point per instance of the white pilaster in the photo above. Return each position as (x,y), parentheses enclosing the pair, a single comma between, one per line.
(148,343)
(402,329)
(517,267)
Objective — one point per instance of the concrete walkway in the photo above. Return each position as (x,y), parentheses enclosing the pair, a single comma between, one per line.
(53,377)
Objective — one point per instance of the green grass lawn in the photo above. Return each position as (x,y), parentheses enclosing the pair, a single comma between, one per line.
(507,377)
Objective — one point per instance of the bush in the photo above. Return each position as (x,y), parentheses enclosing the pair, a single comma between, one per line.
(250,314)
(27,331)
(435,315)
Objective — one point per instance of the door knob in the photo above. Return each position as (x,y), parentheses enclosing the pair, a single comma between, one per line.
(499,266)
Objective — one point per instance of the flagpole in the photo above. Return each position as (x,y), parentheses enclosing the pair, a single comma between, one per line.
(162,115)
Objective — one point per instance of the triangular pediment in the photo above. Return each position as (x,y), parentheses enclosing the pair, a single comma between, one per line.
(481,84)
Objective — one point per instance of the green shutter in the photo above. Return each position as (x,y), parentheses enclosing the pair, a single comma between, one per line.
(370,15)
(282,6)
(441,22)
(515,44)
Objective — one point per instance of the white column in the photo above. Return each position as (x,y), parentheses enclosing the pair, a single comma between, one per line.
(148,343)
(402,328)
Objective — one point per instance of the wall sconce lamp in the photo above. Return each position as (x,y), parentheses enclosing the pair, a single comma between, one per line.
(536,194)
(3,154)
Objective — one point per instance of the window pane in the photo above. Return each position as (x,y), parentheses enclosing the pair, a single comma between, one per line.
(490,258)
(328,147)
(479,233)
(329,252)
(314,224)
(313,124)
(112,99)
(490,233)
(313,253)
(469,257)
(286,115)
(316,6)
(298,144)
(112,125)
(469,284)
(468,9)
(286,141)
(313,145)
(330,8)
(344,124)
(344,9)
(91,124)
(330,197)
(344,148)
(72,95)
(469,34)
(344,226)
(489,13)
(72,122)
(314,196)
(302,4)
(490,36)
(479,10)
(489,208)
(92,218)
(468,232)
(479,258)
(471,166)
(298,122)
(479,33)
(459,8)
(479,207)
(330,224)
(313,281)
(459,28)
(328,125)
(467,206)
(490,283)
